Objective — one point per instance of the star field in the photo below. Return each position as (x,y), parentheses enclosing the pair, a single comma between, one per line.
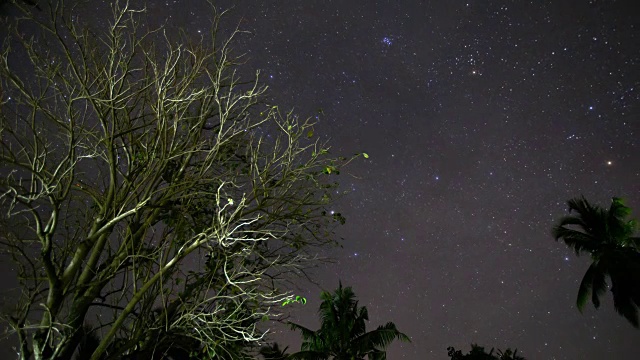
(481,119)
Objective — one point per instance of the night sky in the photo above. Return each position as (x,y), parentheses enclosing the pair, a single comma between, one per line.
(481,118)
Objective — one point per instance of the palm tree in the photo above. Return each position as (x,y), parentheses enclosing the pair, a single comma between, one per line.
(342,334)
(607,235)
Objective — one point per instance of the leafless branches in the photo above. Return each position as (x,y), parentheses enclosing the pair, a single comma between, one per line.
(147,191)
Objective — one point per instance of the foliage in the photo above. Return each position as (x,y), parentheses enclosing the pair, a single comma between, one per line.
(478,353)
(607,236)
(297,299)
(342,334)
(273,352)
(149,196)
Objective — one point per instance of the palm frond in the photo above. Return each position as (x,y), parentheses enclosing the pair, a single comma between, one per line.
(381,337)
(618,210)
(578,241)
(327,311)
(607,234)
(625,283)
(585,287)
(619,227)
(626,307)
(569,220)
(359,324)
(599,285)
(310,339)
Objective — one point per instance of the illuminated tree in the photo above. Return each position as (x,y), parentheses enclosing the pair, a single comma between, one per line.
(606,235)
(150,199)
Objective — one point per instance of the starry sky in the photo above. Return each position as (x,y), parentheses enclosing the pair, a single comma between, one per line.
(481,118)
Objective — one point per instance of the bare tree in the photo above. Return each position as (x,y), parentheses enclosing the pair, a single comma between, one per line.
(152,202)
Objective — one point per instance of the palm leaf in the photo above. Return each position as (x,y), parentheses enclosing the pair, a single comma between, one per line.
(576,240)
(599,285)
(625,283)
(624,303)
(380,338)
(585,287)
(359,324)
(306,333)
(311,340)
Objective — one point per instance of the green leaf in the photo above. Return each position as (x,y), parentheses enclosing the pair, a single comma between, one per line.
(310,134)
(298,299)
(366,156)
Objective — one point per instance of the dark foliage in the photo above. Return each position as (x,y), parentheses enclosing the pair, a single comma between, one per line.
(607,236)
(342,334)
(478,353)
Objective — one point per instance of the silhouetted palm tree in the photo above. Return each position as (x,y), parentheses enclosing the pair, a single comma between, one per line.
(342,334)
(607,235)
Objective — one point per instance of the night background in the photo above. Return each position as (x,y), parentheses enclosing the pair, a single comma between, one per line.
(480,120)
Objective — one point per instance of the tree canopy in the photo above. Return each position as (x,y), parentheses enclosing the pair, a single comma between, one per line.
(342,334)
(151,199)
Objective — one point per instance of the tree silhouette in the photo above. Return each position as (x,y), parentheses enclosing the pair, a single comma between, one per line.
(478,353)
(607,236)
(342,334)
